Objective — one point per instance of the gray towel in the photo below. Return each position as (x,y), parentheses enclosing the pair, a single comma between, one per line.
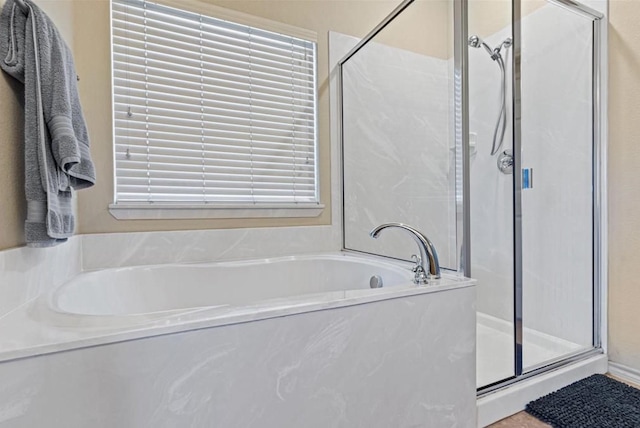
(57,157)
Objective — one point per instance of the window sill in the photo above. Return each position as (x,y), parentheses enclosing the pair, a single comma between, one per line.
(158,211)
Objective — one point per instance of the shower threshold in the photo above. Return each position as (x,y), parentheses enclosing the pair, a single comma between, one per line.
(495,352)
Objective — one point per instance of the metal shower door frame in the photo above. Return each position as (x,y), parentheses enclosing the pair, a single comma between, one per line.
(599,211)
(599,208)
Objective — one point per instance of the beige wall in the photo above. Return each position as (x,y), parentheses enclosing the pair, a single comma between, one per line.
(425,27)
(12,212)
(624,182)
(490,16)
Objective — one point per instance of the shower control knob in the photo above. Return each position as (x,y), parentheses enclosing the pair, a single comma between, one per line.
(505,162)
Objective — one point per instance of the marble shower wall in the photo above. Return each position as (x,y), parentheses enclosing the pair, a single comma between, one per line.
(557,144)
(398,160)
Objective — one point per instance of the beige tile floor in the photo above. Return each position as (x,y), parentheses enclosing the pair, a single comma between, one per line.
(520,420)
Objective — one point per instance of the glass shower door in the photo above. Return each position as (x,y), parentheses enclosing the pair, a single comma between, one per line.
(554,198)
(491,190)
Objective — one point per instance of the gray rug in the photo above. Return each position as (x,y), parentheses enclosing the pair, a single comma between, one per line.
(597,401)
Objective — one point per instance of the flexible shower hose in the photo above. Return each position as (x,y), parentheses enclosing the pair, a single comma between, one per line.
(501,124)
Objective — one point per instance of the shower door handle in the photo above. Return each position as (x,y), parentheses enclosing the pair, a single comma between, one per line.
(527,178)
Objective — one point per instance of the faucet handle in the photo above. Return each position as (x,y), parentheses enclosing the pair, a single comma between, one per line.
(420,277)
(418,261)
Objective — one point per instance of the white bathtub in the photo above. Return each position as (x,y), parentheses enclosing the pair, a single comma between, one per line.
(285,342)
(152,289)
(224,292)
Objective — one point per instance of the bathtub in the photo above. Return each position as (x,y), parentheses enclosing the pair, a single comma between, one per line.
(300,341)
(137,292)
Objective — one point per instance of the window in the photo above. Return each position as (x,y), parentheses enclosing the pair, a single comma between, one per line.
(211,113)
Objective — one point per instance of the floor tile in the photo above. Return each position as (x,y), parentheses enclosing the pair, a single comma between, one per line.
(520,420)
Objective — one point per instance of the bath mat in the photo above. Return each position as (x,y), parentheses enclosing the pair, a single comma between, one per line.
(597,401)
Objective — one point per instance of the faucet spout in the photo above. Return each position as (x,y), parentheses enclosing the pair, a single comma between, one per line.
(428,254)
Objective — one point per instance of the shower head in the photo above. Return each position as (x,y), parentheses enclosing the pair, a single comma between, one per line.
(476,42)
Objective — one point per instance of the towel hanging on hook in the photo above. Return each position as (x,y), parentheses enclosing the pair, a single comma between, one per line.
(25,9)
(56,141)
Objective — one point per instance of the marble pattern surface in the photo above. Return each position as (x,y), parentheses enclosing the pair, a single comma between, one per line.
(397,158)
(403,362)
(25,272)
(141,248)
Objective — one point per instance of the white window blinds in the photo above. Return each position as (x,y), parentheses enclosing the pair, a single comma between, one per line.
(207,110)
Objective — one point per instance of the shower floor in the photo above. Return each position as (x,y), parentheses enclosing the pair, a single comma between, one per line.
(495,359)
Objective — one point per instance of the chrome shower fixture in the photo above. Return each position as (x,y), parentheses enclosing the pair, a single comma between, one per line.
(476,42)
(496,55)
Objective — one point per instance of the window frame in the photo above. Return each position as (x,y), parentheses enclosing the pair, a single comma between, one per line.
(130,210)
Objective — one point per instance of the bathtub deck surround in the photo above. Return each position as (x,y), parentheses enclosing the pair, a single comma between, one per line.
(380,364)
(290,341)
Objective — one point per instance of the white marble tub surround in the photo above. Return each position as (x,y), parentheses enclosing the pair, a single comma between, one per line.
(102,251)
(399,362)
(326,352)
(25,273)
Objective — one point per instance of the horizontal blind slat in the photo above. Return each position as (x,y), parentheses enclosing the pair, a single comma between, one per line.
(128,30)
(159,130)
(222,150)
(250,91)
(256,164)
(163,51)
(182,115)
(213,144)
(230,102)
(165,118)
(175,24)
(258,84)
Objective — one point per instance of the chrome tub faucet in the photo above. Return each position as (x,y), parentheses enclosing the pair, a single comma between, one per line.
(427,265)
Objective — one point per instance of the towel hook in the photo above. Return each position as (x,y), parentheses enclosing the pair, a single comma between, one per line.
(22,5)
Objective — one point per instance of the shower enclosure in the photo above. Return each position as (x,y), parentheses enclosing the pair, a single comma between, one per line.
(485,135)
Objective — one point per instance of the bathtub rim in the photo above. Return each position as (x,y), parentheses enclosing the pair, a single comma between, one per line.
(206,318)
